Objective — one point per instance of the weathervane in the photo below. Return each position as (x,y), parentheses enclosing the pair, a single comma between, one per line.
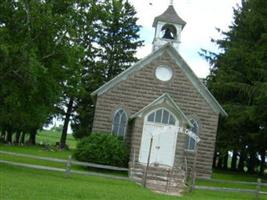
(171,2)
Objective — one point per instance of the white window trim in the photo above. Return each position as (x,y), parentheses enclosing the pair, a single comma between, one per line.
(188,149)
(163,108)
(126,125)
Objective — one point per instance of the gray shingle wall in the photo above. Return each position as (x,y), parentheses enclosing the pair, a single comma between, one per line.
(140,89)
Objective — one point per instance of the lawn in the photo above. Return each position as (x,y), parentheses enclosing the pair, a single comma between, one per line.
(20,184)
(52,137)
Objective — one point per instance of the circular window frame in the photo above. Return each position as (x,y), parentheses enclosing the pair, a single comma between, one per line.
(162,77)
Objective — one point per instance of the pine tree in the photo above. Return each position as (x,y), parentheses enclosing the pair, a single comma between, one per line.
(238,80)
(116,42)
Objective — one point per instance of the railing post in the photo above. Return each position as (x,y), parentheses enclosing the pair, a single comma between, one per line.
(258,188)
(168,180)
(148,162)
(68,166)
(193,181)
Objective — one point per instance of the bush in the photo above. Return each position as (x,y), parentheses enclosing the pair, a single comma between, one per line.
(103,148)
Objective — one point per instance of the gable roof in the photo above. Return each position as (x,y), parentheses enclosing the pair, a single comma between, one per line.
(169,16)
(200,87)
(165,98)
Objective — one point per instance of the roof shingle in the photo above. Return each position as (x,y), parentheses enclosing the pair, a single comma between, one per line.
(169,16)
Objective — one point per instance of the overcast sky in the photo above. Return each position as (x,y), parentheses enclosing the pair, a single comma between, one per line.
(202,17)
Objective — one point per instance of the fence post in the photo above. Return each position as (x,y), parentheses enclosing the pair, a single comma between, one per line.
(68,166)
(258,188)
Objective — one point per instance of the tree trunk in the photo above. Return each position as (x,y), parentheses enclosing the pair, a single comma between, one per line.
(66,124)
(3,135)
(242,158)
(225,161)
(234,160)
(22,138)
(214,160)
(17,137)
(262,165)
(9,137)
(251,162)
(220,161)
(32,139)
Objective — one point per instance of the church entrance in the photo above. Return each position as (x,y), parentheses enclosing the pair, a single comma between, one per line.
(160,132)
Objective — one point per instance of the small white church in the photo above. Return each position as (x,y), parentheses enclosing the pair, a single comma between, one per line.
(163,111)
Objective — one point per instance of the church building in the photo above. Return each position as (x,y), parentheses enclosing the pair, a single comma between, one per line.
(163,111)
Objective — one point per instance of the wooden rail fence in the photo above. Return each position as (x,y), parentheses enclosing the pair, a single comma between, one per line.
(68,163)
(257,191)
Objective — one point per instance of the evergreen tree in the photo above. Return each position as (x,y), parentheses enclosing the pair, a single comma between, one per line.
(238,80)
(116,40)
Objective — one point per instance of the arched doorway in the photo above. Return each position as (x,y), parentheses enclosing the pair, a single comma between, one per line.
(162,126)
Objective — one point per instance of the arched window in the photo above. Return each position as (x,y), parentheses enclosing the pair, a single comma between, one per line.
(191,143)
(161,116)
(119,123)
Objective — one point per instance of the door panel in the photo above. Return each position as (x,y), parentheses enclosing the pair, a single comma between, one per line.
(163,146)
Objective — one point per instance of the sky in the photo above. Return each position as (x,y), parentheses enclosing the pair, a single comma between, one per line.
(202,18)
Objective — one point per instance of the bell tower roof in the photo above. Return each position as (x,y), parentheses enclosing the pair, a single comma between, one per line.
(169,16)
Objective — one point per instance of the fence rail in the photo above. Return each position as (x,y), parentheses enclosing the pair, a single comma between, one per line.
(232,182)
(40,167)
(73,162)
(69,162)
(257,191)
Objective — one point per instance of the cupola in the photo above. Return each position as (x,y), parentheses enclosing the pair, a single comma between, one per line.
(168,27)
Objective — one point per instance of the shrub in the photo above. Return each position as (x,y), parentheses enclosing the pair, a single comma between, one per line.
(103,148)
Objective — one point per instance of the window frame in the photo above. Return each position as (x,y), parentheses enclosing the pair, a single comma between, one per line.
(189,139)
(119,124)
(162,113)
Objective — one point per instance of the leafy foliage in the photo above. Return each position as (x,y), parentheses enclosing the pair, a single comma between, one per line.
(36,55)
(103,148)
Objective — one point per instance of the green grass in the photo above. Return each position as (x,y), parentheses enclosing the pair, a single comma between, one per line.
(237,176)
(53,137)
(39,150)
(229,185)
(20,184)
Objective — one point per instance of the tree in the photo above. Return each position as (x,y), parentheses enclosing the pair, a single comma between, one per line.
(114,46)
(35,54)
(238,80)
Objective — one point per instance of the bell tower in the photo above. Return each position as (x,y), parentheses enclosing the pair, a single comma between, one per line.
(168,27)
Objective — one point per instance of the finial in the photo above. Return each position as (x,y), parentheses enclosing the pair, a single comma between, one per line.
(171,2)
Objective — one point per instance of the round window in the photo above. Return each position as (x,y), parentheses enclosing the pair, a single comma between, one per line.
(164,73)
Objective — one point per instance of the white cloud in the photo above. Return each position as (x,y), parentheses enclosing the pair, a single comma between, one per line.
(202,18)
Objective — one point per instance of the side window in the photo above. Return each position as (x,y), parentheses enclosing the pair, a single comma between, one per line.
(190,142)
(119,123)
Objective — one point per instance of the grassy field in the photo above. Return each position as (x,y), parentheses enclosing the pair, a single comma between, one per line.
(52,137)
(20,184)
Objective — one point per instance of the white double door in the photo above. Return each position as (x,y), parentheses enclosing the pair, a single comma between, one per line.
(163,144)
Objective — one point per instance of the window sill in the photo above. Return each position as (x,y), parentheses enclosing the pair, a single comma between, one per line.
(190,151)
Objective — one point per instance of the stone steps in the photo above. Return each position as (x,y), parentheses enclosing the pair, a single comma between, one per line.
(160,180)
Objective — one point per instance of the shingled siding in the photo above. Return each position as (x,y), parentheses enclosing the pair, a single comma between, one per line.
(141,88)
